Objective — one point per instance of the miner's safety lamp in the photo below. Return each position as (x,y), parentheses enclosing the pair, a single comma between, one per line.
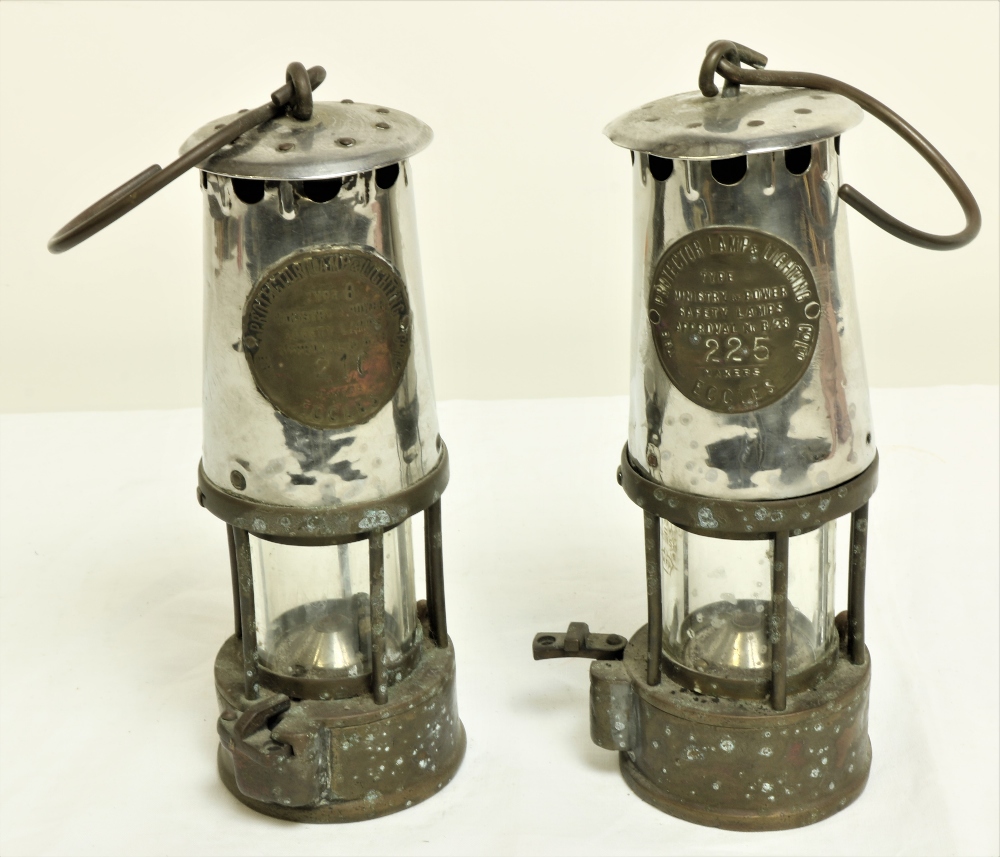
(337,689)
(744,701)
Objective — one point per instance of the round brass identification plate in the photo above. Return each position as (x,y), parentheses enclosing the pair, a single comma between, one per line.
(734,317)
(327,335)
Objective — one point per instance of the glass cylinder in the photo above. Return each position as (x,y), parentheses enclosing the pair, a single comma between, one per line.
(312,604)
(717,603)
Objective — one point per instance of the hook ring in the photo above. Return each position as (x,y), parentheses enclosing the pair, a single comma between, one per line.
(301,103)
(735,53)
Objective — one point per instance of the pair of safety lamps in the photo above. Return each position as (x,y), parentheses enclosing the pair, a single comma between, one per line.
(744,701)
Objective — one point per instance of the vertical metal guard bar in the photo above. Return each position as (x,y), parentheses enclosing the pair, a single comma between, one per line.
(856,585)
(244,571)
(654,597)
(779,621)
(236,581)
(376,576)
(434,563)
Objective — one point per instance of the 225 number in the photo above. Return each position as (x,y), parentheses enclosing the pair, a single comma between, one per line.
(735,351)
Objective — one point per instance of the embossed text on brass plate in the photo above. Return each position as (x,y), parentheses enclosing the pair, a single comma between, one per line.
(734,317)
(327,335)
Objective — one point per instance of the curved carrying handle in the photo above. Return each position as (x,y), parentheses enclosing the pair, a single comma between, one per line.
(724,58)
(296,94)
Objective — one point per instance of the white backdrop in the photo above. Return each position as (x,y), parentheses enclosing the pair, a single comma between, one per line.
(524,207)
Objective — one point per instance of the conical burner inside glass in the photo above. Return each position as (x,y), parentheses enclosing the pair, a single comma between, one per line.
(739,640)
(730,638)
(324,635)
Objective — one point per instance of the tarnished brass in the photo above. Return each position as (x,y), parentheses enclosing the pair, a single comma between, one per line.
(578,642)
(323,761)
(734,763)
(327,335)
(734,317)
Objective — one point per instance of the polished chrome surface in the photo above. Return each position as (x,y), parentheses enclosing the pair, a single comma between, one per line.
(759,119)
(280,460)
(340,138)
(819,434)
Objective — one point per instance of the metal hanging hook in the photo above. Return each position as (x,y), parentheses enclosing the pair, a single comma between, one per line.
(296,95)
(735,53)
(724,58)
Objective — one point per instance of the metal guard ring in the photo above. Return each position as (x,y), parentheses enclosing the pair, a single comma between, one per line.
(745,519)
(329,525)
(724,58)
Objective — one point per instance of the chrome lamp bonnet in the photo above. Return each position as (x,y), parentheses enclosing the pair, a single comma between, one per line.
(337,687)
(743,703)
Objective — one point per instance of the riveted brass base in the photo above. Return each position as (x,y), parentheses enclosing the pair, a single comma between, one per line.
(734,764)
(358,809)
(322,761)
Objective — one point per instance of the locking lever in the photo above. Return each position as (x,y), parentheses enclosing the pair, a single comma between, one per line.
(250,735)
(278,752)
(578,642)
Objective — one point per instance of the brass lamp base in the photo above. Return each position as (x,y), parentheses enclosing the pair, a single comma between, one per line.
(337,760)
(734,764)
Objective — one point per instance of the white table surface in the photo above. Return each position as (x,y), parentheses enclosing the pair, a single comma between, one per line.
(115,597)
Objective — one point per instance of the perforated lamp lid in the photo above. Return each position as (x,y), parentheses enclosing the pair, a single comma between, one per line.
(758,119)
(339,139)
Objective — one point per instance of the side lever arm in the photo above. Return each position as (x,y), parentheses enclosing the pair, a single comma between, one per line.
(578,642)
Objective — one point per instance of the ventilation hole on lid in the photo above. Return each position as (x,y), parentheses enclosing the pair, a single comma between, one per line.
(797,160)
(836,143)
(321,190)
(249,191)
(755,123)
(385,177)
(729,171)
(661,168)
